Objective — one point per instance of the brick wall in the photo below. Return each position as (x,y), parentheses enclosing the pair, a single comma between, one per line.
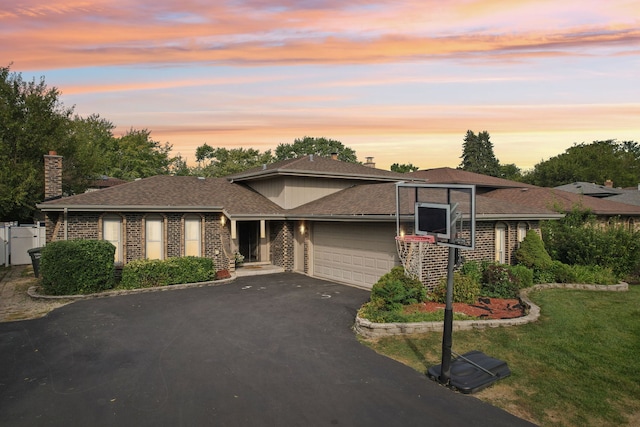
(282,244)
(215,236)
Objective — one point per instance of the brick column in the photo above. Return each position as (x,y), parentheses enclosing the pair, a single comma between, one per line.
(52,175)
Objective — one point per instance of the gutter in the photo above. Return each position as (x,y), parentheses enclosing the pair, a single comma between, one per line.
(126,208)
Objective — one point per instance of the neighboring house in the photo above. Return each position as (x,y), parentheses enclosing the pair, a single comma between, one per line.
(314,215)
(104,182)
(629,196)
(605,209)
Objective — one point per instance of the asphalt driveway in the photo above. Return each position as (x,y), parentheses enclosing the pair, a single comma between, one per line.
(273,350)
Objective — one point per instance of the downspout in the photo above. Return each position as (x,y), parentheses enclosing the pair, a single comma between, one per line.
(66,224)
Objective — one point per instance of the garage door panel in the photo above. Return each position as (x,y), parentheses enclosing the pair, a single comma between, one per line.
(357,254)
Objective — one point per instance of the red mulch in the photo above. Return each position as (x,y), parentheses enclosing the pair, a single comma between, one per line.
(484,308)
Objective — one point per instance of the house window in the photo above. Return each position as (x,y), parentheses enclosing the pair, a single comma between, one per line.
(154,238)
(192,236)
(112,232)
(522,231)
(501,243)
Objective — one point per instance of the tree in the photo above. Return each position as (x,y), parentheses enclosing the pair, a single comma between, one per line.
(317,146)
(403,168)
(33,121)
(477,155)
(511,172)
(223,161)
(595,162)
(136,155)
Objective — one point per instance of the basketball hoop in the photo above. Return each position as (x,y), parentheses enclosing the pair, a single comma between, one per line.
(411,249)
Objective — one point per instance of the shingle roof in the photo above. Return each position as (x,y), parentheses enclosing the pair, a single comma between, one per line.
(171,193)
(380,200)
(319,167)
(551,198)
(447,175)
(589,189)
(630,197)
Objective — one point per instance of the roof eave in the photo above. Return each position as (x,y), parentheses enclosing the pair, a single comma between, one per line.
(126,208)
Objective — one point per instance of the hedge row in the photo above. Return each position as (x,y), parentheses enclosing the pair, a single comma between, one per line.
(146,273)
(70,267)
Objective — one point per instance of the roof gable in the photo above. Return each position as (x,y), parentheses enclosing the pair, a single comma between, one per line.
(317,166)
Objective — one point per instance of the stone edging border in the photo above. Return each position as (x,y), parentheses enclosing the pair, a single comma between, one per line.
(34,294)
(368,329)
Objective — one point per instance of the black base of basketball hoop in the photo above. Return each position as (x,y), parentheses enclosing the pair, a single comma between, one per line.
(472,372)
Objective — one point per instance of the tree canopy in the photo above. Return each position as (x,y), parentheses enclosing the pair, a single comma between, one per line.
(217,162)
(33,121)
(317,146)
(477,154)
(595,162)
(403,168)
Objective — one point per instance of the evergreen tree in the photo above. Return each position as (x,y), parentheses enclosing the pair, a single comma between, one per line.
(477,154)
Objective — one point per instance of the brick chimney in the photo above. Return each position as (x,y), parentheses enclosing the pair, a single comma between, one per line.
(334,156)
(369,162)
(52,175)
(608,183)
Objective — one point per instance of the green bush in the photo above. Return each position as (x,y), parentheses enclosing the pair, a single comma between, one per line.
(563,273)
(466,289)
(532,253)
(395,289)
(498,281)
(145,273)
(523,274)
(594,274)
(70,267)
(579,239)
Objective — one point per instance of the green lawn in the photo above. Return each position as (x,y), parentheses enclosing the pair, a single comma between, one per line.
(579,365)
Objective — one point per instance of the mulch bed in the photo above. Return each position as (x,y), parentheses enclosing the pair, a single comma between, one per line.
(484,308)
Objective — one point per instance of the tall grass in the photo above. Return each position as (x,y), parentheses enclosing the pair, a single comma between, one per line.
(579,365)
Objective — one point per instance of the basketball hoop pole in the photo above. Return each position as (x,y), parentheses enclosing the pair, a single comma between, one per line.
(445,370)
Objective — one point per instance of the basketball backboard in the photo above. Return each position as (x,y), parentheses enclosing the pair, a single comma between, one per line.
(445,211)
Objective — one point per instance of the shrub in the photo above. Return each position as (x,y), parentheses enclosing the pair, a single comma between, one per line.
(579,239)
(395,289)
(523,274)
(563,273)
(594,274)
(70,267)
(532,253)
(145,273)
(466,289)
(499,282)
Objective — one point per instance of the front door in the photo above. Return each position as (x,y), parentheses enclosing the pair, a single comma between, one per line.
(248,240)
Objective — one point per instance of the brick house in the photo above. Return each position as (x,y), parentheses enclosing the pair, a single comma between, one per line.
(314,215)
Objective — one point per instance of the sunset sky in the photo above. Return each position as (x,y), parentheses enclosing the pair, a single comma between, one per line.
(400,81)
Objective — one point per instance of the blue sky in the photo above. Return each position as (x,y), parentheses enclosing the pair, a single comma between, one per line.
(400,81)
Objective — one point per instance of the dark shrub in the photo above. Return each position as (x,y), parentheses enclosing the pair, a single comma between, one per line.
(70,267)
(532,253)
(145,273)
(499,282)
(466,289)
(395,289)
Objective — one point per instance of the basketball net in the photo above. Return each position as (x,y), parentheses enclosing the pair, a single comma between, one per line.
(411,250)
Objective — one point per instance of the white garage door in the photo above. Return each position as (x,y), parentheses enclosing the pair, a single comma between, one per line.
(357,254)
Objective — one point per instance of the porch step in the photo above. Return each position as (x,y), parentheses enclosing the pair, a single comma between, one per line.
(257,268)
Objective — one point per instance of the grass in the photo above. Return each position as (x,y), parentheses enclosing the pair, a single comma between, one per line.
(577,366)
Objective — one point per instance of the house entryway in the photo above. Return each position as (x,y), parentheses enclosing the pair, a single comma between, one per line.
(249,240)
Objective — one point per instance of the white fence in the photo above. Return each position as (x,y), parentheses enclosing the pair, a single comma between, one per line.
(16,240)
